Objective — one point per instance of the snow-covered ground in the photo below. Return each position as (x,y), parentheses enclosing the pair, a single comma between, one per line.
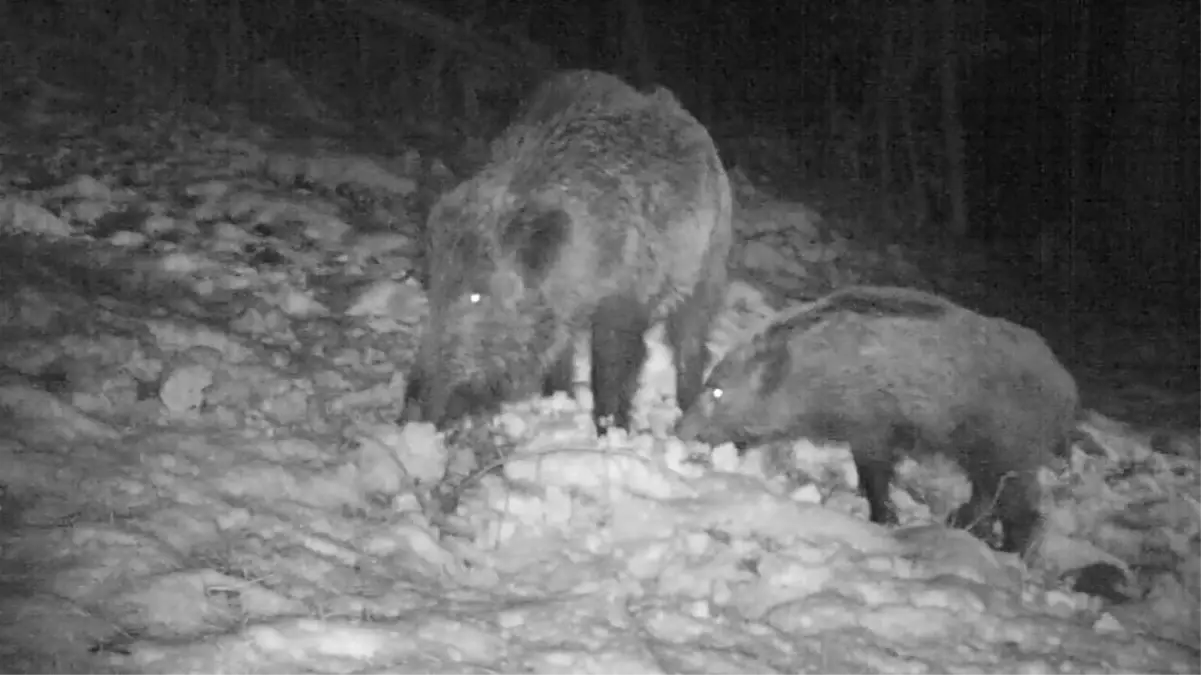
(203,347)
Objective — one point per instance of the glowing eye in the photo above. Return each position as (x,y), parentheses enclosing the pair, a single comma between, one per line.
(475,298)
(717,394)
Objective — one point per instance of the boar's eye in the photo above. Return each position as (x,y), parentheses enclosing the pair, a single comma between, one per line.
(476,292)
(717,393)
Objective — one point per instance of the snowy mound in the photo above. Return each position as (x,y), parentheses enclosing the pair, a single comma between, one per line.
(203,355)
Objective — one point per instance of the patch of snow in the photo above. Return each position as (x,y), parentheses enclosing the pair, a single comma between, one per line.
(201,469)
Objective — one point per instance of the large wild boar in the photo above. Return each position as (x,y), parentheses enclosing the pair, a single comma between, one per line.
(603,209)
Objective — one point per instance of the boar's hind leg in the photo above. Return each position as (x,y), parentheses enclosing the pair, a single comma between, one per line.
(875,451)
(1001,490)
(874,478)
(560,375)
(688,334)
(414,392)
(1016,507)
(618,352)
(1021,519)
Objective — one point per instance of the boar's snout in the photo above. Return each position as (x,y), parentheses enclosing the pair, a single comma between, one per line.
(691,426)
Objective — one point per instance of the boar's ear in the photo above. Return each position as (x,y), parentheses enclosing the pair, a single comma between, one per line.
(536,235)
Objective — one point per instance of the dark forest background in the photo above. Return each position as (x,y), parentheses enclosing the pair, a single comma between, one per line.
(1069,129)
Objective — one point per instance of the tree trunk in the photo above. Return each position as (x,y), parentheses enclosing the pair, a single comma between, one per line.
(952,127)
(636,59)
(1188,169)
(919,200)
(1150,192)
(1066,276)
(360,81)
(447,34)
(884,97)
(231,51)
(705,83)
(1076,113)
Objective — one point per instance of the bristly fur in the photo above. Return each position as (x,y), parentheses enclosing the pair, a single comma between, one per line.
(891,370)
(602,208)
(580,91)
